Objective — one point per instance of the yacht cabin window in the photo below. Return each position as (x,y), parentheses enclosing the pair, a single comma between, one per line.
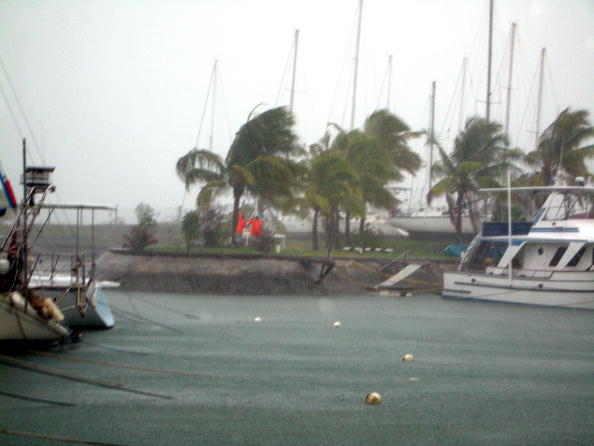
(558,255)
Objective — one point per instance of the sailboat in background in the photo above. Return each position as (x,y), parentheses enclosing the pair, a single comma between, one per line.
(424,221)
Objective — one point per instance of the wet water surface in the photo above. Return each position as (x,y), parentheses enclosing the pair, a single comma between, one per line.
(188,370)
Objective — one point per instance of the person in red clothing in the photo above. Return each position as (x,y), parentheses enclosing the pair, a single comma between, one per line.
(256,225)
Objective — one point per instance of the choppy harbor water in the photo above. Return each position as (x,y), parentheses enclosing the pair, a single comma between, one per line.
(483,374)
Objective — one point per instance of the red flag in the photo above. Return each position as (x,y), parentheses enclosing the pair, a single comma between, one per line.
(241,224)
(256,227)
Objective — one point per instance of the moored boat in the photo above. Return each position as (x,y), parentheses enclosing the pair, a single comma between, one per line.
(547,261)
(24,314)
(21,320)
(70,279)
(83,306)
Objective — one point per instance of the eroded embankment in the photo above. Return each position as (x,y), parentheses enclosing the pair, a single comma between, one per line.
(246,274)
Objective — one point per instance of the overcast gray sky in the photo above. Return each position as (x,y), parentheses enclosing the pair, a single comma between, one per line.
(113,90)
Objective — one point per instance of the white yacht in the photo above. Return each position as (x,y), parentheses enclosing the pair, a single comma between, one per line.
(548,261)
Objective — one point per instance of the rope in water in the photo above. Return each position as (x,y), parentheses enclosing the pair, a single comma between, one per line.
(165,307)
(140,318)
(53,438)
(36,400)
(116,349)
(18,363)
(122,366)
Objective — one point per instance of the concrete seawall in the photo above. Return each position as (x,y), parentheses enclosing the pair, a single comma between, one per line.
(244,274)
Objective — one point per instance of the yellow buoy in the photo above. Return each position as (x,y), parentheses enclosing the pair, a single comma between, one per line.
(408,357)
(373,398)
(337,324)
(257,319)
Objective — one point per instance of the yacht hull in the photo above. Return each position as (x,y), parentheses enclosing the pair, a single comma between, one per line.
(19,321)
(569,290)
(439,224)
(96,314)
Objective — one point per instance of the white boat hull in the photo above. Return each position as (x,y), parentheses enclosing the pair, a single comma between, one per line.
(438,224)
(96,315)
(21,322)
(569,290)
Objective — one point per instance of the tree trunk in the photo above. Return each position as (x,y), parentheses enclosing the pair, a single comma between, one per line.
(332,228)
(329,225)
(336,242)
(347,226)
(458,216)
(236,198)
(314,230)
(474,215)
(362,226)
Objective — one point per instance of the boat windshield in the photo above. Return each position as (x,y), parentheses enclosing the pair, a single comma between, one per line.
(486,253)
(563,206)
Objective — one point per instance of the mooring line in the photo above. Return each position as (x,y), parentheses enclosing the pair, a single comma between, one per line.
(25,365)
(146,320)
(116,349)
(122,366)
(53,438)
(373,270)
(36,400)
(165,307)
(129,317)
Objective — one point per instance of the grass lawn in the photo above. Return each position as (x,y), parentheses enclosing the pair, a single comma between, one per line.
(416,249)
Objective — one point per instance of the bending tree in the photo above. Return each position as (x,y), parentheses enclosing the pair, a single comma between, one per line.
(560,149)
(379,154)
(480,156)
(257,161)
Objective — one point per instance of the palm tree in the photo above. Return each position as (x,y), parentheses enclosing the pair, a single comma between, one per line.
(257,161)
(479,158)
(394,134)
(559,148)
(373,162)
(379,154)
(331,183)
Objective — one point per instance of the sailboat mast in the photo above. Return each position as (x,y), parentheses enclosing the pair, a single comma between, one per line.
(489,57)
(432,135)
(356,65)
(294,70)
(462,94)
(213,104)
(509,76)
(539,103)
(24,248)
(389,93)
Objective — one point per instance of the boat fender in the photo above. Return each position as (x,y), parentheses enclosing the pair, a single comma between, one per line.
(51,311)
(4,266)
(373,398)
(16,299)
